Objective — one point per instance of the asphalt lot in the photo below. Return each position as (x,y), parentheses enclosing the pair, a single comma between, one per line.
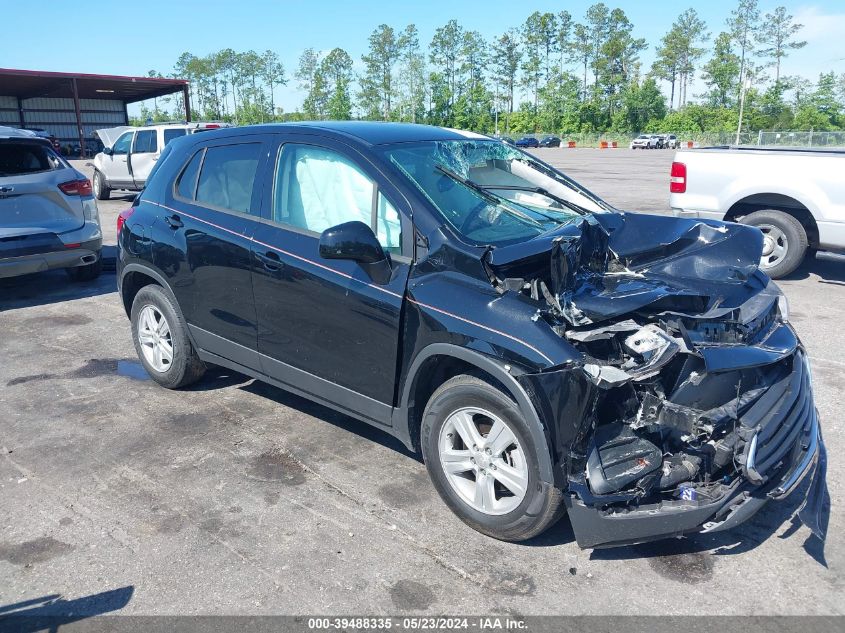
(235,497)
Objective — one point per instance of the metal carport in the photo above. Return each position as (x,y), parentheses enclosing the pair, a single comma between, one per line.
(72,105)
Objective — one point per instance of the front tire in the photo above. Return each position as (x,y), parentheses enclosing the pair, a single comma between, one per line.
(483,462)
(161,340)
(784,241)
(101,189)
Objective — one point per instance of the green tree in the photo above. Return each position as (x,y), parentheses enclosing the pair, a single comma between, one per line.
(310,82)
(777,36)
(377,89)
(539,36)
(274,75)
(581,52)
(692,31)
(335,75)
(743,25)
(445,54)
(721,72)
(641,104)
(412,85)
(618,57)
(506,56)
(667,61)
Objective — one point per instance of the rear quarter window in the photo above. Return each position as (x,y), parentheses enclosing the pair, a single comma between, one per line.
(186,182)
(27,158)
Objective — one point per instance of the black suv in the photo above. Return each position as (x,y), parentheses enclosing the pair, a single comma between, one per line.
(543,351)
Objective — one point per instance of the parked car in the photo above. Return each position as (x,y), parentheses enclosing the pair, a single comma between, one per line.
(508,140)
(644,141)
(527,141)
(456,292)
(48,215)
(669,141)
(550,141)
(796,197)
(129,153)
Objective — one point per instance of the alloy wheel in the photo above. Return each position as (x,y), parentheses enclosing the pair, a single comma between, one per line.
(483,461)
(155,338)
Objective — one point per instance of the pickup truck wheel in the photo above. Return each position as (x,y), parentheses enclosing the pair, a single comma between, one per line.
(784,241)
(101,189)
(161,340)
(483,462)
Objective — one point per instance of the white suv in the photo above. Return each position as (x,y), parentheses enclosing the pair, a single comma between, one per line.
(131,152)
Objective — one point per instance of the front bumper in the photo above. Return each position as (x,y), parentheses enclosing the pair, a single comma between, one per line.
(597,527)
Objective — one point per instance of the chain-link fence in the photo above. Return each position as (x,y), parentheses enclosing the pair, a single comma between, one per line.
(705,139)
(801,139)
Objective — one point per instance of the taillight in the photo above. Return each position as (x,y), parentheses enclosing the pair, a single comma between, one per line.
(678,178)
(121,219)
(76,187)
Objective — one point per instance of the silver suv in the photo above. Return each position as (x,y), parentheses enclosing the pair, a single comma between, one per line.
(48,215)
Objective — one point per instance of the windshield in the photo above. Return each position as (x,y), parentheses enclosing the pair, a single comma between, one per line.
(490,192)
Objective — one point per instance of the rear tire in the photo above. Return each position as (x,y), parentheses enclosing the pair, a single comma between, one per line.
(156,319)
(493,485)
(101,189)
(785,241)
(88,272)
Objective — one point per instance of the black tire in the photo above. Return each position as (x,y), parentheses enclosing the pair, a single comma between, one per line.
(101,188)
(186,367)
(89,272)
(542,505)
(796,240)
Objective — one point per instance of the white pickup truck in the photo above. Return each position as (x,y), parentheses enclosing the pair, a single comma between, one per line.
(796,197)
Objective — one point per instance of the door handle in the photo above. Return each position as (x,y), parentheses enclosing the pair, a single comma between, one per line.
(270,260)
(173,221)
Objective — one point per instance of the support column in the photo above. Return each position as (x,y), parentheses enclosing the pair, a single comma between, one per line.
(79,127)
(186,95)
(20,113)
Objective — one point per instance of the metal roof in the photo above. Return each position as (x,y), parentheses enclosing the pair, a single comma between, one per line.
(35,83)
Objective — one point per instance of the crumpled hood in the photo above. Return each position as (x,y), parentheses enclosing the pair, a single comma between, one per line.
(606,265)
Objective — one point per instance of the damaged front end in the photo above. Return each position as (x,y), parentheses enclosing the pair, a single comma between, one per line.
(692,403)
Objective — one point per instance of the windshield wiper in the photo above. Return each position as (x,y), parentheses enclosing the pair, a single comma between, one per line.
(492,198)
(543,192)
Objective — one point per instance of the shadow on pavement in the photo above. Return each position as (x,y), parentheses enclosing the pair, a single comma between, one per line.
(56,286)
(48,613)
(829,267)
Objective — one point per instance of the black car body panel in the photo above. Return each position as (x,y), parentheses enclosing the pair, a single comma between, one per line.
(552,320)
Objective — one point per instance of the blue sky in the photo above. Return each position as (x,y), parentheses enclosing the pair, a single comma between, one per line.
(152,34)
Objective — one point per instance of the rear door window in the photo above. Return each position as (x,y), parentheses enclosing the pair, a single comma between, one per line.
(145,142)
(27,158)
(227,177)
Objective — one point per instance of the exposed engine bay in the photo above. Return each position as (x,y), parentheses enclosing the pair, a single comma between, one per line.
(682,337)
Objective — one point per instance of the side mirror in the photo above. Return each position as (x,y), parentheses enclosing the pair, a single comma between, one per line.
(107,151)
(351,240)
